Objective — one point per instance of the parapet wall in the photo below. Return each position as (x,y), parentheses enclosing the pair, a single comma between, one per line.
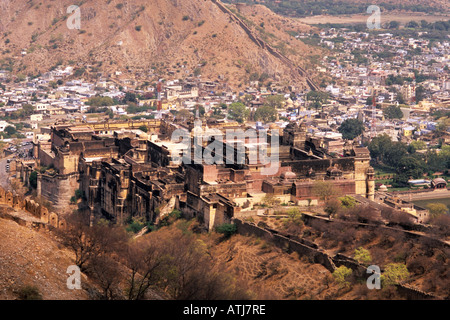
(51,219)
(316,255)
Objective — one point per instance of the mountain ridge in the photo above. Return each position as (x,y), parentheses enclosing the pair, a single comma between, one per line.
(170,37)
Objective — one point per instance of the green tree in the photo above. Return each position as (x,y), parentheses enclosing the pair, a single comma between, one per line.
(393,24)
(100,102)
(393,112)
(238,111)
(351,128)
(394,273)
(400,98)
(378,146)
(143,128)
(437,209)
(275,101)
(295,216)
(396,151)
(410,166)
(27,110)
(246,99)
(270,200)
(10,130)
(266,113)
(442,126)
(135,225)
(33,179)
(227,229)
(416,145)
(341,276)
(369,101)
(170,218)
(130,97)
(347,201)
(184,114)
(412,24)
(420,94)
(317,97)
(362,255)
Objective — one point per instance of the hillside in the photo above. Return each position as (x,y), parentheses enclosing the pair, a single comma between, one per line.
(31,258)
(258,268)
(165,39)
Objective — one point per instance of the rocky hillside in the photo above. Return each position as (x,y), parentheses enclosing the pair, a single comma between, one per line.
(35,259)
(166,38)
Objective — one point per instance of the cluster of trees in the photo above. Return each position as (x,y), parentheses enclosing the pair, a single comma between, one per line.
(317,99)
(393,273)
(296,8)
(13,131)
(405,159)
(21,114)
(171,262)
(423,24)
(400,80)
(239,112)
(100,104)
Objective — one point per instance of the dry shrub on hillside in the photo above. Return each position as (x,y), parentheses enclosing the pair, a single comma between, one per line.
(397,217)
(90,242)
(418,265)
(175,261)
(107,274)
(360,213)
(442,225)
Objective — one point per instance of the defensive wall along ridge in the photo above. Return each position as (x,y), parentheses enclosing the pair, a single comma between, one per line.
(305,248)
(45,218)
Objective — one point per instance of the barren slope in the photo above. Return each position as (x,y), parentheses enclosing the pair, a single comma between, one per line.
(164,35)
(28,257)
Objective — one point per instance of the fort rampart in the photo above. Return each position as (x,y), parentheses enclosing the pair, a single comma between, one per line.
(47,218)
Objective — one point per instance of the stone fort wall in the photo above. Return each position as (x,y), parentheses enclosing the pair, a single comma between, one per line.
(48,218)
(317,255)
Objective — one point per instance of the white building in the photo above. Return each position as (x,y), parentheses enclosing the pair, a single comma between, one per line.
(3,125)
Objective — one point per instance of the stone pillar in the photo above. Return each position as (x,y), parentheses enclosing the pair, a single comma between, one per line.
(39,184)
(371,184)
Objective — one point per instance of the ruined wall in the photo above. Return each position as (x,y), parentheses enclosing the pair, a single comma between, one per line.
(314,254)
(48,219)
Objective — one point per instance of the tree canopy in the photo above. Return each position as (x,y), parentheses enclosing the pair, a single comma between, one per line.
(266,113)
(238,111)
(351,128)
(393,112)
(437,209)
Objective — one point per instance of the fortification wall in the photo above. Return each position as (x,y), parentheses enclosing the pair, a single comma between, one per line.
(316,255)
(47,219)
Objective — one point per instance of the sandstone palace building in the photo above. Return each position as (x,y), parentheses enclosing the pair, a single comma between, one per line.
(122,172)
